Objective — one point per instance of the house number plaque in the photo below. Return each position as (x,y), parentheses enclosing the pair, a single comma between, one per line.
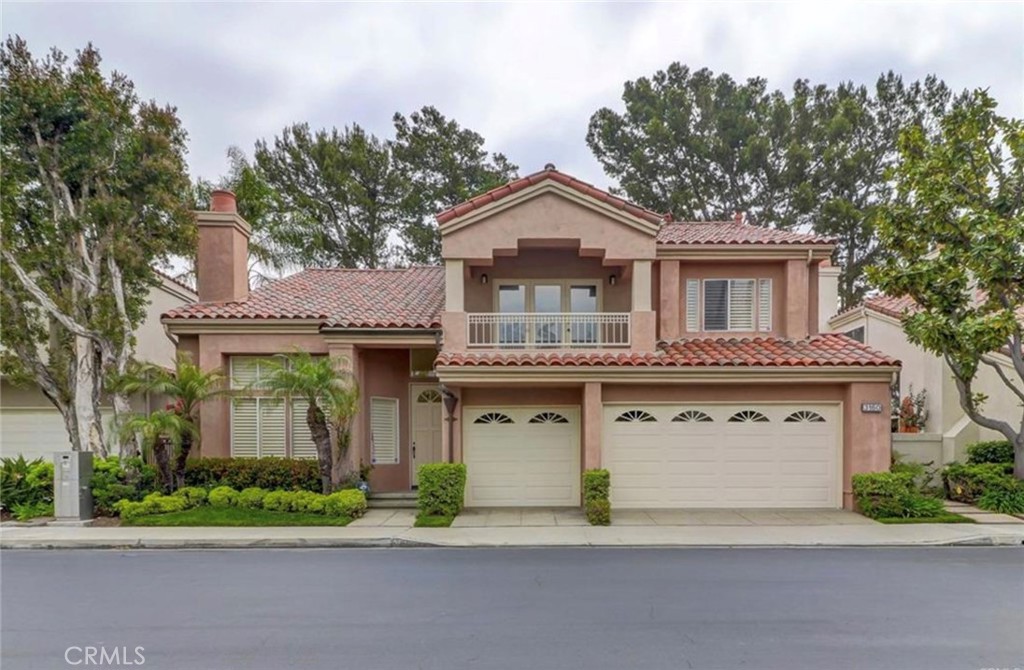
(871,407)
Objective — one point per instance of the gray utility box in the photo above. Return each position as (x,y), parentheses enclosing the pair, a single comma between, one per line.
(72,496)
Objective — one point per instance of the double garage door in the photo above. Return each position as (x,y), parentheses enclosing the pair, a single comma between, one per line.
(723,455)
(659,455)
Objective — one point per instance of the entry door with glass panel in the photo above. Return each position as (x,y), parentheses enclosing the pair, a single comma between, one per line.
(545,308)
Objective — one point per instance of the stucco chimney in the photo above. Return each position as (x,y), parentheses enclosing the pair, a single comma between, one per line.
(828,294)
(222,259)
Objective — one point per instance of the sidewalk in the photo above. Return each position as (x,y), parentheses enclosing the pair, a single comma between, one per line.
(394,531)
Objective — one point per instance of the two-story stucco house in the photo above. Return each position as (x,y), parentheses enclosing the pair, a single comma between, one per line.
(574,330)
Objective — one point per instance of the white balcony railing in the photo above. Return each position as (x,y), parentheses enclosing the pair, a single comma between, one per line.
(547,331)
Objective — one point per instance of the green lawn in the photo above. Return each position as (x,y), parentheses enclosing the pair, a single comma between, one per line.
(948,517)
(237,516)
(430,521)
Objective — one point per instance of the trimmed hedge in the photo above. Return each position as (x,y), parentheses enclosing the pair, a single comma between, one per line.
(265,473)
(348,503)
(994,451)
(967,483)
(442,488)
(887,495)
(596,488)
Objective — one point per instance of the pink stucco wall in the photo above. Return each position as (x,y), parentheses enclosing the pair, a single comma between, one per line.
(386,374)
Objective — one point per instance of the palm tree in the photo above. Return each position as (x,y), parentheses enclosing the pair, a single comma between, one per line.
(161,431)
(332,399)
(187,386)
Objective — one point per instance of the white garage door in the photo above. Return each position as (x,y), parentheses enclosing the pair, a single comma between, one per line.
(723,455)
(523,456)
(32,433)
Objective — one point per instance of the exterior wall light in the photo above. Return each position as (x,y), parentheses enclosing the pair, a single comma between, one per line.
(612,279)
(483,278)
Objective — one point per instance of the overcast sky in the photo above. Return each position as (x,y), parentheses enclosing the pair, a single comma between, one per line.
(527,76)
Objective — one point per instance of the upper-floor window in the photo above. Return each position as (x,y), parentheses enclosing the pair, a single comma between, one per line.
(728,305)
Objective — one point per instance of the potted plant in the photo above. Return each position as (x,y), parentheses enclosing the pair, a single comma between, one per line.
(913,413)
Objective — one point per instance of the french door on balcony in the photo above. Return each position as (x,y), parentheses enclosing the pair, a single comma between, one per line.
(546,308)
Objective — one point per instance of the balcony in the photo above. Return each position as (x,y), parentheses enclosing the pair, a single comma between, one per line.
(548,330)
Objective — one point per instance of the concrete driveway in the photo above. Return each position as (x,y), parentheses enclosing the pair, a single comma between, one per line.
(512,517)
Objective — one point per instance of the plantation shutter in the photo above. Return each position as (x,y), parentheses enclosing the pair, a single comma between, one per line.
(244,371)
(741,304)
(764,311)
(384,431)
(302,441)
(716,304)
(692,305)
(245,427)
(272,429)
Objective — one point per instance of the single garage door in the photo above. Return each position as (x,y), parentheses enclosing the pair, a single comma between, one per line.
(32,433)
(723,455)
(522,457)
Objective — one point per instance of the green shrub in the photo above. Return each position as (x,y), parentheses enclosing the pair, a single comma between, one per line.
(350,503)
(994,451)
(162,504)
(113,480)
(132,509)
(193,495)
(967,483)
(442,488)
(307,501)
(26,511)
(596,484)
(599,512)
(1007,500)
(25,482)
(222,496)
(882,495)
(278,501)
(265,473)
(251,497)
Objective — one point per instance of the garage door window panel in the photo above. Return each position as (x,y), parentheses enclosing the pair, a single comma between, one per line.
(494,417)
(635,416)
(692,416)
(748,416)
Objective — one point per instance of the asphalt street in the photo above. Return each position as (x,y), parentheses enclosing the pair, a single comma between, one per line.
(929,608)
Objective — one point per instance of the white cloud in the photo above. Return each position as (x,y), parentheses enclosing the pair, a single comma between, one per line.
(525,75)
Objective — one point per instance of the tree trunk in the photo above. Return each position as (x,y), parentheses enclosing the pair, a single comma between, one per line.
(129,446)
(86,399)
(162,455)
(1018,457)
(340,457)
(182,460)
(322,439)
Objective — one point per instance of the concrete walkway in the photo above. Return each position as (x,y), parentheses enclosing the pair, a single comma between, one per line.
(980,515)
(841,535)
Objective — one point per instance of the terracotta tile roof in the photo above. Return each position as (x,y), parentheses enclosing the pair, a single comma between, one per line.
(890,306)
(827,349)
(175,280)
(731,232)
(553,175)
(406,298)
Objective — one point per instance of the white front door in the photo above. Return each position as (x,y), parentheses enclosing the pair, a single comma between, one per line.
(426,419)
(723,455)
(522,456)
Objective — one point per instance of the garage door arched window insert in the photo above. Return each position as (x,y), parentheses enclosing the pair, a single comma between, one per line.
(692,415)
(748,416)
(635,416)
(548,417)
(804,416)
(494,417)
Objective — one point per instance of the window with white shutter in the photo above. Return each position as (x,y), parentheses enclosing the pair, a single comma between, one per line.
(244,372)
(764,309)
(741,304)
(384,431)
(302,440)
(257,427)
(693,305)
(716,304)
(272,428)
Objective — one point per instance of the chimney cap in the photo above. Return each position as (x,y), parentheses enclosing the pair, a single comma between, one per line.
(549,166)
(739,216)
(222,200)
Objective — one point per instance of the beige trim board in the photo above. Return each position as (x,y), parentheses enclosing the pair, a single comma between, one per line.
(743,252)
(241,326)
(660,375)
(394,340)
(541,188)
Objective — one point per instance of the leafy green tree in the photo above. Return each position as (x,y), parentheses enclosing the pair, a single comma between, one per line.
(443,165)
(337,196)
(94,192)
(332,398)
(163,432)
(702,146)
(955,232)
(187,386)
(850,134)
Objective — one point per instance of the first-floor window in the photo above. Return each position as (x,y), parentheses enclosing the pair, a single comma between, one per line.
(262,425)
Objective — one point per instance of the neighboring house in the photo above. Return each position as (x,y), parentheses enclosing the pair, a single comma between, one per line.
(575,330)
(29,423)
(876,323)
